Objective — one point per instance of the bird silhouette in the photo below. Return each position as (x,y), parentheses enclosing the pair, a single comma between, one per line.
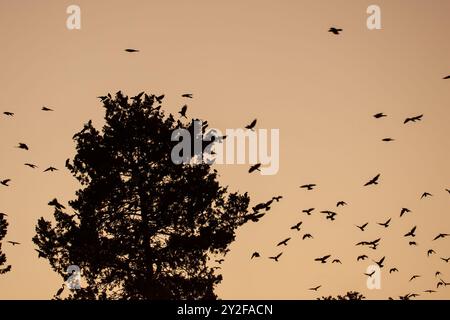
(32,166)
(336,261)
(441,235)
(22,146)
(60,291)
(411,233)
(414,277)
(284,242)
(380,263)
(160,98)
(374,180)
(310,186)
(413,243)
(403,211)
(276,257)
(385,224)
(330,214)
(131,50)
(362,257)
(251,125)
(438,273)
(254,168)
(388,139)
(183,110)
(255,255)
(341,203)
(335,30)
(393,270)
(429,291)
(7,113)
(446,259)
(56,204)
(430,252)
(308,211)
(425,194)
(447,77)
(323,259)
(413,119)
(51,169)
(307,236)
(44,108)
(362,227)
(448,190)
(379,115)
(187,95)
(297,226)
(315,288)
(277,198)
(5,182)
(14,242)
(370,274)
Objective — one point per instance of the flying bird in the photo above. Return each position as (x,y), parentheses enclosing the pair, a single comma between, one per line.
(336,261)
(251,125)
(51,169)
(22,146)
(7,113)
(441,235)
(13,242)
(254,167)
(308,186)
(308,211)
(362,257)
(393,270)
(183,111)
(297,226)
(386,224)
(32,166)
(5,182)
(403,211)
(330,214)
(388,139)
(379,115)
(370,274)
(446,259)
(323,259)
(187,95)
(307,235)
(131,50)
(447,77)
(44,108)
(411,233)
(335,30)
(426,194)
(414,277)
(255,255)
(284,242)
(276,257)
(438,273)
(413,243)
(341,203)
(315,288)
(374,180)
(448,190)
(277,198)
(380,263)
(56,204)
(363,226)
(430,252)
(413,119)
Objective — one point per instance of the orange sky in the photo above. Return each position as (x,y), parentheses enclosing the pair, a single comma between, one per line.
(271,60)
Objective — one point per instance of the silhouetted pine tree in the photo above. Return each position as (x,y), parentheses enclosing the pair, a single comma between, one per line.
(3,229)
(141,227)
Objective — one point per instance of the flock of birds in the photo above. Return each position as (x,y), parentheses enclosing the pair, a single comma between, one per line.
(262,208)
(331,215)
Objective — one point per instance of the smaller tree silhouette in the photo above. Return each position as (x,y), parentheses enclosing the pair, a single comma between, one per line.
(351,295)
(3,229)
